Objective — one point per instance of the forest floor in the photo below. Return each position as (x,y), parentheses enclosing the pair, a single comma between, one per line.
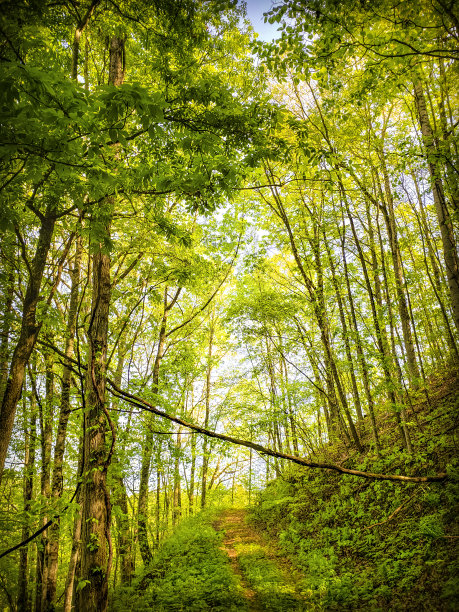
(267,579)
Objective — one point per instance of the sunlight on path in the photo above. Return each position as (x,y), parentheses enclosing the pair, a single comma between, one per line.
(236,531)
(266,585)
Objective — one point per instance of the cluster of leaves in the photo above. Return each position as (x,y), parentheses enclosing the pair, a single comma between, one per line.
(188,572)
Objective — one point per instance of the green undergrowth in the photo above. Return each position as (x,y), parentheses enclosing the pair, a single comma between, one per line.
(327,524)
(274,594)
(188,573)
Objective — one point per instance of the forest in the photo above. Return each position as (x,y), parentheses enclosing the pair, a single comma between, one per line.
(229,306)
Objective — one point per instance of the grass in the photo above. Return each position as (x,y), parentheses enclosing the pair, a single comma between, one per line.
(273,592)
(188,573)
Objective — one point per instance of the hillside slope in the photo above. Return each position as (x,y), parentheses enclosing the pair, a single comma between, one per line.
(376,545)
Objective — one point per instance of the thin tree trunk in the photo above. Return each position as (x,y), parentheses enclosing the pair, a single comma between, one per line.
(23,598)
(389,217)
(450,253)
(193,466)
(28,334)
(446,137)
(158,495)
(120,497)
(205,450)
(142,509)
(291,414)
(360,354)
(59,448)
(350,360)
(384,354)
(77,36)
(4,340)
(318,304)
(400,407)
(435,282)
(74,557)
(46,426)
(177,497)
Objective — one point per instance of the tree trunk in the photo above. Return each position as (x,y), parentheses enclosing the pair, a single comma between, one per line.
(361,357)
(158,494)
(290,410)
(96,546)
(177,497)
(385,356)
(389,217)
(23,599)
(435,282)
(28,334)
(96,557)
(59,448)
(142,510)
(192,475)
(355,390)
(318,303)
(120,497)
(4,340)
(205,450)
(74,556)
(450,254)
(46,426)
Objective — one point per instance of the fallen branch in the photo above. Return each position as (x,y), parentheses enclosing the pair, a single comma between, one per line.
(263,450)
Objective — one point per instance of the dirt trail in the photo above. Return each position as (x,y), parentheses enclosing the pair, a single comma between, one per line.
(237,533)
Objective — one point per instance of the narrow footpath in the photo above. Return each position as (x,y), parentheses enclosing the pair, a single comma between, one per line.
(267,579)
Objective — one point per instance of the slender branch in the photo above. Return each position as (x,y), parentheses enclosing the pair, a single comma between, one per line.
(394,513)
(211,297)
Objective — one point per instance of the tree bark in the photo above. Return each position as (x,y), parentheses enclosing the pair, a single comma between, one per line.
(46,413)
(96,557)
(120,497)
(30,329)
(23,599)
(450,254)
(77,35)
(57,485)
(74,557)
(4,340)
(96,546)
